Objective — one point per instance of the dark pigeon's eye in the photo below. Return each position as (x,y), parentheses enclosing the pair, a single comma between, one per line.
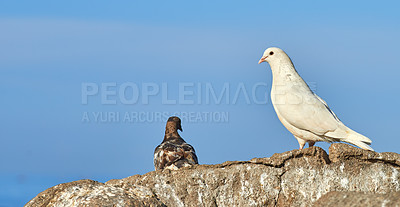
(271,53)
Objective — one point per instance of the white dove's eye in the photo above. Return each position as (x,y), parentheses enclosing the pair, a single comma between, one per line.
(271,53)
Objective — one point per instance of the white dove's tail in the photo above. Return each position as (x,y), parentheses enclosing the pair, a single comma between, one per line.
(358,140)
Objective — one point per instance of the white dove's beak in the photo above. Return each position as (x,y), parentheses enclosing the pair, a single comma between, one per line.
(262,59)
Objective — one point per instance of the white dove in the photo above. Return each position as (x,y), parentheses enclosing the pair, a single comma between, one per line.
(300,110)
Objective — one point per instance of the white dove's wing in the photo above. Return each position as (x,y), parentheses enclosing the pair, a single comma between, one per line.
(327,107)
(309,113)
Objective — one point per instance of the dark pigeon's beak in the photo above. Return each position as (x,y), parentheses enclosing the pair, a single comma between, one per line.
(180,128)
(262,59)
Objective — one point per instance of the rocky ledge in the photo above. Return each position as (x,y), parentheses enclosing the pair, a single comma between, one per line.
(348,176)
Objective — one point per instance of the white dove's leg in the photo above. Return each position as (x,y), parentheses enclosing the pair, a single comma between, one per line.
(302,142)
(311,143)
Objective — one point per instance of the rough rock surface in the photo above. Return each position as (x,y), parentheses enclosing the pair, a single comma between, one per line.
(294,178)
(355,199)
(91,193)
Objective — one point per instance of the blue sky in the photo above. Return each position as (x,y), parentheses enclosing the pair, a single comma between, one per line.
(347,51)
